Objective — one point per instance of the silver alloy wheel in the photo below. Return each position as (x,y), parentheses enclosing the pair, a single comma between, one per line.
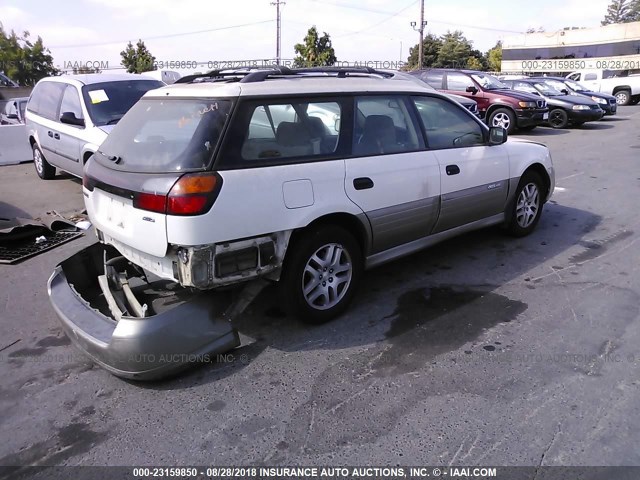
(622,98)
(327,276)
(528,205)
(501,120)
(37,159)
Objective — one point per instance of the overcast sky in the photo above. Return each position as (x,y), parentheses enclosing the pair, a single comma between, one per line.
(371,30)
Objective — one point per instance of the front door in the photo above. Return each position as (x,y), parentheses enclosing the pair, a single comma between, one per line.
(474,177)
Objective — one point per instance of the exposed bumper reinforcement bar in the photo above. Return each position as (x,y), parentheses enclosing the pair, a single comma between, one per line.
(146,348)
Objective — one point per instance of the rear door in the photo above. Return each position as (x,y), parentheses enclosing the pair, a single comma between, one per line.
(390,176)
(45,103)
(474,177)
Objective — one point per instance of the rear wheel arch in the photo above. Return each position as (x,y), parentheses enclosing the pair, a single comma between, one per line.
(86,155)
(351,223)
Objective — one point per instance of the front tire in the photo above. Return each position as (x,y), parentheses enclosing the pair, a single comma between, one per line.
(526,210)
(44,169)
(320,274)
(558,118)
(503,117)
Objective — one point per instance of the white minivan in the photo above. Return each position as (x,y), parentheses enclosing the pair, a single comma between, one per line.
(69,116)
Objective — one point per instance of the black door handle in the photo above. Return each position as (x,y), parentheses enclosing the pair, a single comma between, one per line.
(452,169)
(50,133)
(362,183)
(56,136)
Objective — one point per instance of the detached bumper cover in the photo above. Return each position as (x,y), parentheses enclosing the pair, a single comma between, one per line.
(139,348)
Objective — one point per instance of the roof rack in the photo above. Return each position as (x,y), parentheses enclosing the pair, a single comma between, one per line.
(251,75)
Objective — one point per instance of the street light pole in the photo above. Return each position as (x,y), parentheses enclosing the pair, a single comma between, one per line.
(420,29)
(277,3)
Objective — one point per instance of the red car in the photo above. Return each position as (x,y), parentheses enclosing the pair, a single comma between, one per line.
(499,106)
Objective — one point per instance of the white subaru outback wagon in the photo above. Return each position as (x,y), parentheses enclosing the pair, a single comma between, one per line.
(306,177)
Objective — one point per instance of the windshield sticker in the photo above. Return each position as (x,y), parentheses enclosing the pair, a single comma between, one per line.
(98,96)
(210,108)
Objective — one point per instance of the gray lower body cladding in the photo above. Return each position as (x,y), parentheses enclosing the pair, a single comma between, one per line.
(184,328)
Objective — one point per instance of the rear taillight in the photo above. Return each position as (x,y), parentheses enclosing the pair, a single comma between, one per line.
(192,194)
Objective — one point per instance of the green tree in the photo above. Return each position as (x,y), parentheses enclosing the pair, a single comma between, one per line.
(494,58)
(138,59)
(430,51)
(24,61)
(622,11)
(455,50)
(474,63)
(315,51)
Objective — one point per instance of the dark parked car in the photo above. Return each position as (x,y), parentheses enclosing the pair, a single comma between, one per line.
(13,111)
(498,105)
(564,109)
(467,103)
(607,102)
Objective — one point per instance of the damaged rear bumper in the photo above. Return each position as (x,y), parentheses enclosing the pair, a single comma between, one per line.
(148,348)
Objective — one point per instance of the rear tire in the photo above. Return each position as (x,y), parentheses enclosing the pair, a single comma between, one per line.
(558,118)
(623,97)
(321,274)
(634,100)
(503,117)
(44,169)
(526,208)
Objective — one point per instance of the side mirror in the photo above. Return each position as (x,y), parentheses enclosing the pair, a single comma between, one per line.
(565,91)
(497,135)
(471,89)
(71,119)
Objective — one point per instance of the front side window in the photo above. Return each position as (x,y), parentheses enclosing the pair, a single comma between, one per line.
(108,102)
(447,125)
(166,135)
(71,102)
(290,129)
(458,82)
(383,125)
(590,76)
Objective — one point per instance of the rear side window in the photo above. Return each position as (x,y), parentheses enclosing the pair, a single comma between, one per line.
(166,135)
(383,125)
(433,78)
(298,128)
(108,102)
(447,125)
(45,99)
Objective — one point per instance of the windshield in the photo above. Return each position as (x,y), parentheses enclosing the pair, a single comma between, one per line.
(488,82)
(166,135)
(546,89)
(107,102)
(575,86)
(556,84)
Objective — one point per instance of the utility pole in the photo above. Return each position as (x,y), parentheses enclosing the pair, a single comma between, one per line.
(421,30)
(277,3)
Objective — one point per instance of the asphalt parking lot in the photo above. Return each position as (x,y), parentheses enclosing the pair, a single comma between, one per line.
(483,350)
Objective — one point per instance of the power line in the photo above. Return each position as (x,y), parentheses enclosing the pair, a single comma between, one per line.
(380,22)
(170,35)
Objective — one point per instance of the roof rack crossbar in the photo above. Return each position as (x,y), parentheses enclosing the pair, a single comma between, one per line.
(252,75)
